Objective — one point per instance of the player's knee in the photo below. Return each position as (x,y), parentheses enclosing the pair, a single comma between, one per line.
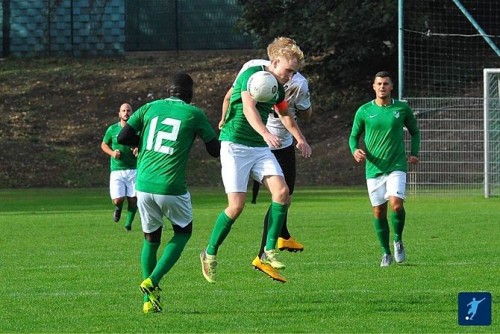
(380,211)
(154,237)
(397,207)
(235,210)
(186,230)
(281,195)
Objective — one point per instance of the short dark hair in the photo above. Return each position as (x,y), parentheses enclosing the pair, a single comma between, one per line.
(383,74)
(181,86)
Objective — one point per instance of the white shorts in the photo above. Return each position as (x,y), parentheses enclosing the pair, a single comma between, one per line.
(122,183)
(239,162)
(384,186)
(153,207)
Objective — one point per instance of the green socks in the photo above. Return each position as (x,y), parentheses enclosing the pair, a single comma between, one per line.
(223,224)
(382,230)
(275,223)
(221,230)
(171,253)
(148,259)
(398,224)
(130,216)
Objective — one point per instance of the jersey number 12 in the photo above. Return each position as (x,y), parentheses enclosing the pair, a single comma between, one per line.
(156,142)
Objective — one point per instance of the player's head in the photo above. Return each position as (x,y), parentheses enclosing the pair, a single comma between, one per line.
(181,86)
(125,111)
(382,84)
(286,58)
(383,74)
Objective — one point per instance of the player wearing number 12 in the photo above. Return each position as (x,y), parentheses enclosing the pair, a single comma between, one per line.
(167,131)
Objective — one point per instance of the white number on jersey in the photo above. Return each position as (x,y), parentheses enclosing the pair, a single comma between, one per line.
(162,135)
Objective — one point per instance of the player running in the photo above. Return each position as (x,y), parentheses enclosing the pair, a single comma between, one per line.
(167,130)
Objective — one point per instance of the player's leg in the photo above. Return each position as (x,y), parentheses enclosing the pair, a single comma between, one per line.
(266,260)
(377,193)
(381,226)
(149,252)
(236,162)
(131,198)
(117,192)
(222,227)
(277,211)
(255,191)
(286,159)
(225,220)
(264,168)
(396,188)
(282,157)
(131,212)
(152,226)
(179,211)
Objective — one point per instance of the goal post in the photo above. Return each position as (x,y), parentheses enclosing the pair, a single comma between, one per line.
(444,48)
(491,87)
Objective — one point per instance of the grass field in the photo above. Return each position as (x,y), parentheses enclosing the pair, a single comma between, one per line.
(66,267)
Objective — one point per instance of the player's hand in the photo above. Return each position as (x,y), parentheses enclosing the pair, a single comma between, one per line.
(413,159)
(221,124)
(117,154)
(135,151)
(272,140)
(304,149)
(359,155)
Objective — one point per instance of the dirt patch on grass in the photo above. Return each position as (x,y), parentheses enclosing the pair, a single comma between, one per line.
(55,112)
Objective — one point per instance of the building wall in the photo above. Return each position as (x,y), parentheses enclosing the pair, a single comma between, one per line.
(103,27)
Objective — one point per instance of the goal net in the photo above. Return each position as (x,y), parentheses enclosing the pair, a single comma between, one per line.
(446,45)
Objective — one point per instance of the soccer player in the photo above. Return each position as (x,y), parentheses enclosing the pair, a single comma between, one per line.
(383,120)
(123,168)
(167,131)
(245,152)
(299,105)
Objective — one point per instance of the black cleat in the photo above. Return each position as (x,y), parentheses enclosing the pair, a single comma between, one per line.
(117,214)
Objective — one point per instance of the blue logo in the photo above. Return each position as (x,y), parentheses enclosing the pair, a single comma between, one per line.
(474,308)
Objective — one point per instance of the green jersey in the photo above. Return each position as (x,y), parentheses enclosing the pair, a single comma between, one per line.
(168,129)
(384,136)
(236,128)
(127,159)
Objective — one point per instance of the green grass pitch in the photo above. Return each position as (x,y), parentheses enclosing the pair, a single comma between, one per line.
(65,267)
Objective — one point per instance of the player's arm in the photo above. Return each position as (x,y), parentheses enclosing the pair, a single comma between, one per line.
(128,136)
(253,117)
(109,151)
(302,101)
(356,131)
(213,147)
(412,126)
(291,125)
(304,115)
(225,106)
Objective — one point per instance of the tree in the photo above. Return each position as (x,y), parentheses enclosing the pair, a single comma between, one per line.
(346,42)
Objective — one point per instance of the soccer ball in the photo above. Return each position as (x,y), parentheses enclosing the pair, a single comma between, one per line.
(262,86)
